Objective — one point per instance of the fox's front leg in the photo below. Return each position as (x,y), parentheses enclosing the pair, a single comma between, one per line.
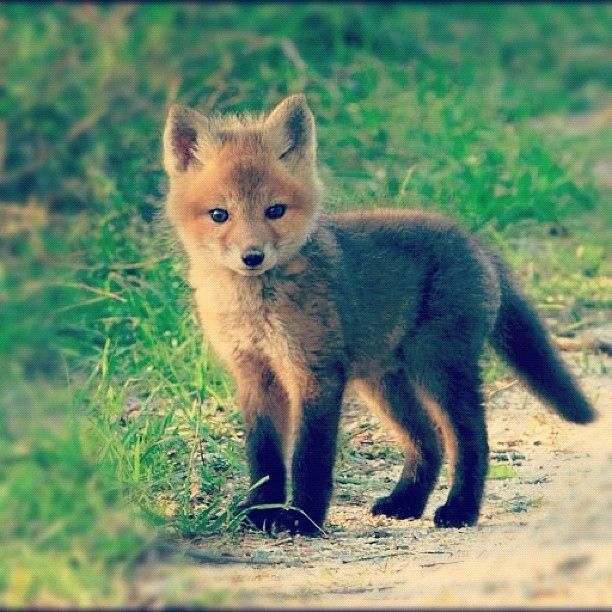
(265,406)
(315,452)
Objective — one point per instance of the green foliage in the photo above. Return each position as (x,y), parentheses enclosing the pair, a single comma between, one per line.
(64,523)
(392,87)
(114,417)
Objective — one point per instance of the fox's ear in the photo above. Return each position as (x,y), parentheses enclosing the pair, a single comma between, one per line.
(290,131)
(186,137)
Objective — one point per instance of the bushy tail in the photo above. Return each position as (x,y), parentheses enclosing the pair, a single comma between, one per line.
(520,338)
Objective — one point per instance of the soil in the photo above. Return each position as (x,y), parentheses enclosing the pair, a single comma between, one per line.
(544,535)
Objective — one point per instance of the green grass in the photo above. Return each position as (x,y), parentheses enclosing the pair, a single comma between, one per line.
(117,427)
(64,525)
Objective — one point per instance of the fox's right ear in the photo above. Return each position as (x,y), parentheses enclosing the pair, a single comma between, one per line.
(187,135)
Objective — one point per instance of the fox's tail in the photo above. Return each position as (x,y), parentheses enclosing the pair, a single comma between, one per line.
(520,338)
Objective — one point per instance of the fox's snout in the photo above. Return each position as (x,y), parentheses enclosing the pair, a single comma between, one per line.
(253,256)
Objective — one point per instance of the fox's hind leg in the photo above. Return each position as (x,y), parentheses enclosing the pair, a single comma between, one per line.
(394,397)
(457,389)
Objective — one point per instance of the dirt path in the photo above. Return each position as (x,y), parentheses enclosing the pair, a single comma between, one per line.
(544,537)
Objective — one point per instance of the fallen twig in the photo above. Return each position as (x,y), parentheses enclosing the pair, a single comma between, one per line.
(394,554)
(214,558)
(282,541)
(373,557)
(584,343)
(568,329)
(497,391)
(438,563)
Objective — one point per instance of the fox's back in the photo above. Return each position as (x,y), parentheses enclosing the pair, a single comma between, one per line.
(409,275)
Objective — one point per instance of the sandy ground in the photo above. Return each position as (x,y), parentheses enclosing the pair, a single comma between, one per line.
(544,536)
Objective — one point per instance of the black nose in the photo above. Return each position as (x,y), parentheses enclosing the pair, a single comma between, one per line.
(253,257)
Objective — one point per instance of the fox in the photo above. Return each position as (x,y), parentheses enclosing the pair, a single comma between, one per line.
(300,304)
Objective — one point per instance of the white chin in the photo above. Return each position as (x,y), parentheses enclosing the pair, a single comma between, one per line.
(251,271)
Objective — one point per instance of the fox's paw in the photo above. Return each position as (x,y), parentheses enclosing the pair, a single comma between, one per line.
(455,515)
(264,518)
(398,507)
(297,523)
(275,520)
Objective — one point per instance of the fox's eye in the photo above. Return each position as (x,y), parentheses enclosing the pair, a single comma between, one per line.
(218,215)
(276,211)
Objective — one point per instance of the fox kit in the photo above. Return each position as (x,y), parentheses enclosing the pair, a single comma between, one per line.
(298,304)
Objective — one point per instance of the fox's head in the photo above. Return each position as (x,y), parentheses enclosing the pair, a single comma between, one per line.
(244,191)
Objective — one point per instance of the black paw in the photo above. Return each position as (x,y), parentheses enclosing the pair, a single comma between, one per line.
(452,515)
(398,507)
(274,520)
(297,523)
(264,518)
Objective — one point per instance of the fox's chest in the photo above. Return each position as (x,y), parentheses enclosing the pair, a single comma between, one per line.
(242,323)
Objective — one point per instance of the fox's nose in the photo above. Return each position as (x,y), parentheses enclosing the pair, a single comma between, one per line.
(253,257)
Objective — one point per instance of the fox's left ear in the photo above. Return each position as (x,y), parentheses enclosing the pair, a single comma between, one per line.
(290,131)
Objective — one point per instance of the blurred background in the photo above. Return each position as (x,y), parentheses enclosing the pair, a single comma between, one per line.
(116,425)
